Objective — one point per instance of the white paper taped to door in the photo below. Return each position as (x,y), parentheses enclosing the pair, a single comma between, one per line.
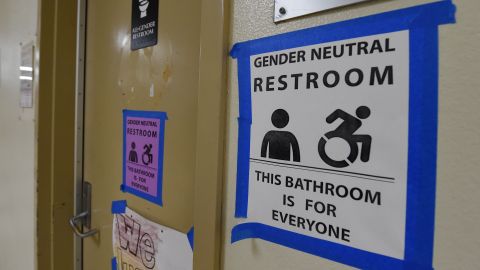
(141,244)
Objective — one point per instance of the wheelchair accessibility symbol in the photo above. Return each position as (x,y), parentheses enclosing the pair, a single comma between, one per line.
(346,131)
(147,157)
(283,145)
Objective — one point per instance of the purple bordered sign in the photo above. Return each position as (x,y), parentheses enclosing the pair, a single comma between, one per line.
(143,150)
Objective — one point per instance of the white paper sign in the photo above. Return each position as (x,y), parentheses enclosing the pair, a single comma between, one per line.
(26,76)
(141,244)
(329,141)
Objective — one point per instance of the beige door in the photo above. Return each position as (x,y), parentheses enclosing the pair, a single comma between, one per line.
(165,78)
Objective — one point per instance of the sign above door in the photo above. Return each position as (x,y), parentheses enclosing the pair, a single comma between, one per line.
(144,23)
(287,9)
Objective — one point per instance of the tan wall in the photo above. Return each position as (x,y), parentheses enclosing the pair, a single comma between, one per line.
(456,233)
(17,187)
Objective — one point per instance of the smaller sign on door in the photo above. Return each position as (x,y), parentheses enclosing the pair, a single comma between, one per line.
(139,243)
(144,23)
(143,142)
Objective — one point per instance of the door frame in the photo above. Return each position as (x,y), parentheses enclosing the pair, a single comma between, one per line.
(54,132)
(79,124)
(210,145)
(212,100)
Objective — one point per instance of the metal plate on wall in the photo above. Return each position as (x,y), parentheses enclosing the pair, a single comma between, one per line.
(287,9)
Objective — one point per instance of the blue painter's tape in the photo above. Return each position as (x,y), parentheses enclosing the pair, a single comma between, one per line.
(243,167)
(244,127)
(190,235)
(114,263)
(433,14)
(118,207)
(422,150)
(422,22)
(329,250)
(162,116)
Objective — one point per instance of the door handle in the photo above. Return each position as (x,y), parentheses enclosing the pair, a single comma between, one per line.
(74,221)
(84,218)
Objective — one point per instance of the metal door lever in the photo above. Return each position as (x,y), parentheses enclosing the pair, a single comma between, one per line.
(73,223)
(84,218)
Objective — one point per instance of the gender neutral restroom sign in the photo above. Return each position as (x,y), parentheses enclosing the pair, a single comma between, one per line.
(143,142)
(144,23)
(337,138)
(329,141)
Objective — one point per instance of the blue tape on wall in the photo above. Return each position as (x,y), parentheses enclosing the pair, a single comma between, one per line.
(118,207)
(421,185)
(434,14)
(190,236)
(422,22)
(243,167)
(329,250)
(162,116)
(114,263)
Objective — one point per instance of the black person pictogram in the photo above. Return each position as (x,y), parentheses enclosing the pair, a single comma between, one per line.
(147,157)
(280,144)
(346,131)
(132,156)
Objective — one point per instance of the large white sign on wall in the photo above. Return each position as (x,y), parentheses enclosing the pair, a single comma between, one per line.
(337,138)
(329,138)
